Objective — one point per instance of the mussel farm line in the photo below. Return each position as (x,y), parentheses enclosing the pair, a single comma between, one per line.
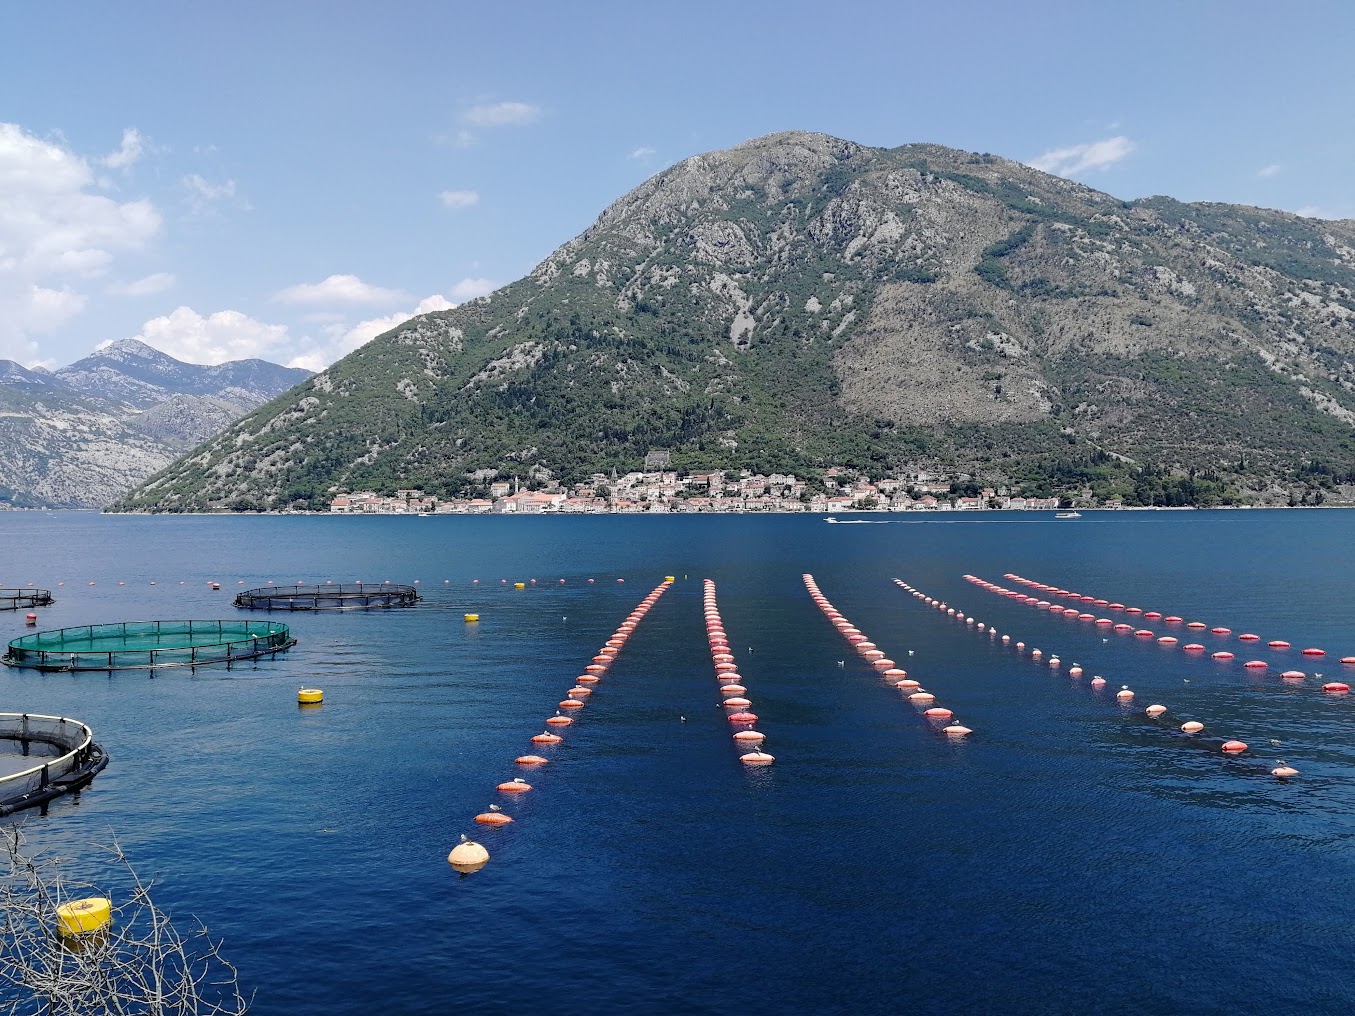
(80,761)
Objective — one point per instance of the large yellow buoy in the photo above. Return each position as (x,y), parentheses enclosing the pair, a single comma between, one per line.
(310,696)
(468,856)
(519,585)
(472,617)
(80,917)
(669,578)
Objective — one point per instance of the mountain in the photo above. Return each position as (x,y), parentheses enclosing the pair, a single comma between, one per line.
(86,434)
(801,301)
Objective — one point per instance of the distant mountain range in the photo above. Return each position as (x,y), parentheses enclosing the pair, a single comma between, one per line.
(801,301)
(84,435)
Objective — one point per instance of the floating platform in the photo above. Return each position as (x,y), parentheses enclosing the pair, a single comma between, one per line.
(147,645)
(18,599)
(79,761)
(328,597)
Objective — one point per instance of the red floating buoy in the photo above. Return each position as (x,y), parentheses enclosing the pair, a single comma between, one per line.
(1336,687)
(492,818)
(515,786)
(1233,747)
(1314,652)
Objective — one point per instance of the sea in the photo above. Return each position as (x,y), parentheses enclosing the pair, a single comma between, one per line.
(1071,855)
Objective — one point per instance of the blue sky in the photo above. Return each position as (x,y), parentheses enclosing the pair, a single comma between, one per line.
(286,179)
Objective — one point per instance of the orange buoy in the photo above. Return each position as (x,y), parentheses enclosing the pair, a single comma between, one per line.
(756,758)
(530,760)
(1075,671)
(1233,747)
(1124,695)
(1249,637)
(750,736)
(1278,644)
(515,786)
(579,692)
(1336,687)
(742,717)
(1155,710)
(1255,664)
(1167,640)
(559,721)
(547,738)
(939,712)
(587,679)
(1293,675)
(732,689)
(908,684)
(1221,630)
(1222,655)
(737,703)
(570,704)
(1192,726)
(956,730)
(1193,647)
(492,818)
(1284,771)
(1098,681)
(1314,652)
(921,697)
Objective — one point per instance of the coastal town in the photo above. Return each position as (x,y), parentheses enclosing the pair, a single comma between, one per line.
(666,491)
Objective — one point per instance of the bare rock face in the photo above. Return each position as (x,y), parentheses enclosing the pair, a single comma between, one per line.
(800,301)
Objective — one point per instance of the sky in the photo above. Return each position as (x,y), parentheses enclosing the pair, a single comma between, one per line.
(287,179)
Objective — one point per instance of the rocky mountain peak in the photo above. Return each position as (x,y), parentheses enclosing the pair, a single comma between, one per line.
(800,301)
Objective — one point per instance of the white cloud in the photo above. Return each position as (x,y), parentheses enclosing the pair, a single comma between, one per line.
(204,196)
(1270,170)
(131,149)
(469,289)
(53,227)
(339,289)
(226,335)
(343,339)
(149,286)
(501,114)
(643,152)
(456,199)
(1077,159)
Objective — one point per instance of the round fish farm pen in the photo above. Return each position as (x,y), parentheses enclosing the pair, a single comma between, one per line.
(56,755)
(18,599)
(145,645)
(328,597)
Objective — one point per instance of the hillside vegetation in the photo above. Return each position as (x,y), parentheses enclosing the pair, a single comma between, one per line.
(800,301)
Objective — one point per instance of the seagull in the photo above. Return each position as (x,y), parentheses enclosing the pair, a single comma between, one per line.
(465,838)
(495,807)
(910,652)
(1275,740)
(1185,680)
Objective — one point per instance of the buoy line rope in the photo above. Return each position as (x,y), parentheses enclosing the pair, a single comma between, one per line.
(738,707)
(1123,697)
(1172,619)
(1221,656)
(468,855)
(919,697)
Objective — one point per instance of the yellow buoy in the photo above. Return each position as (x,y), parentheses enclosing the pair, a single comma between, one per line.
(519,585)
(310,696)
(80,917)
(472,617)
(669,578)
(468,856)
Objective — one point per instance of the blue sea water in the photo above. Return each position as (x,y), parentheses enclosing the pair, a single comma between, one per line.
(1072,856)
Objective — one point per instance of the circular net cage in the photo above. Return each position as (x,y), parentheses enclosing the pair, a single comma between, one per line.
(328,597)
(18,599)
(42,757)
(146,645)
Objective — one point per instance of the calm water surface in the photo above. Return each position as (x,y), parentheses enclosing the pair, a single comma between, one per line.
(1071,857)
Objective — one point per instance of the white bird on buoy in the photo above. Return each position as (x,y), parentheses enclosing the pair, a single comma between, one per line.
(492,807)
(841,663)
(910,652)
